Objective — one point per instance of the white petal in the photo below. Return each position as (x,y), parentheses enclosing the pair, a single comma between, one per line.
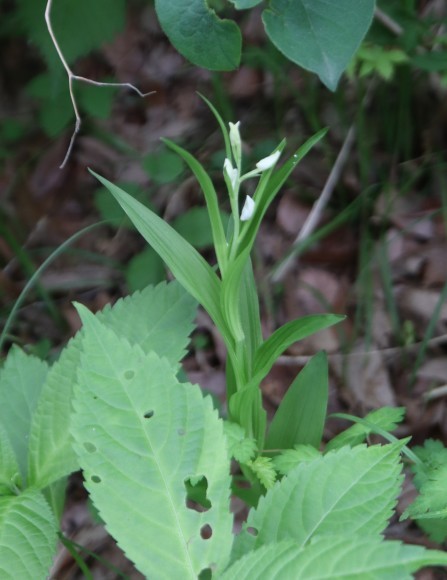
(269,161)
(248,209)
(236,143)
(232,173)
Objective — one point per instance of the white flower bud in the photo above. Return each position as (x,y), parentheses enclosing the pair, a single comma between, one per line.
(248,209)
(232,173)
(235,141)
(268,162)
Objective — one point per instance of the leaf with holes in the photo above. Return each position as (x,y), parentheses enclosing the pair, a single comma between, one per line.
(143,439)
(28,535)
(351,489)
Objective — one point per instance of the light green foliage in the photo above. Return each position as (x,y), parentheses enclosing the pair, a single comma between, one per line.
(194,226)
(286,461)
(430,507)
(196,31)
(351,489)
(375,59)
(21,381)
(9,469)
(163,166)
(99,21)
(143,269)
(386,419)
(27,536)
(240,447)
(264,470)
(301,415)
(335,557)
(139,436)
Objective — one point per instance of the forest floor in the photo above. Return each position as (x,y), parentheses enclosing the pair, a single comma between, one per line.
(377,252)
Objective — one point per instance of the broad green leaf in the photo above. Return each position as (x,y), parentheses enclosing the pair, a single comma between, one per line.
(99,22)
(187,265)
(28,535)
(140,435)
(351,489)
(144,268)
(199,35)
(301,415)
(157,319)
(163,166)
(194,226)
(319,35)
(212,203)
(249,311)
(9,469)
(386,418)
(285,336)
(21,381)
(286,461)
(335,558)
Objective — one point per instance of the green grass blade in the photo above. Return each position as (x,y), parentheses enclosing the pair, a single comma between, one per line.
(222,126)
(300,417)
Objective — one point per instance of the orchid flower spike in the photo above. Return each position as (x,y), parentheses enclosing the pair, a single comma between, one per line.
(268,162)
(248,209)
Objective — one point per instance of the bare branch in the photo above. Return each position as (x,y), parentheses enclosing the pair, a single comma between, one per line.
(72,77)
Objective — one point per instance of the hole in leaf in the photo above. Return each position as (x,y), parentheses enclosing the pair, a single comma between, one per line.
(129,375)
(205,574)
(96,479)
(196,493)
(89,447)
(148,414)
(252,531)
(206,532)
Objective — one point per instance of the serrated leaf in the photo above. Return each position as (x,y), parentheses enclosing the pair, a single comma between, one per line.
(9,468)
(139,436)
(264,470)
(21,381)
(319,35)
(301,414)
(386,418)
(351,489)
(286,461)
(335,557)
(99,22)
(28,535)
(433,494)
(157,319)
(199,35)
(240,447)
(187,265)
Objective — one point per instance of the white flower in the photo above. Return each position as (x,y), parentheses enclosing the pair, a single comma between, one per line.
(268,162)
(236,144)
(232,172)
(248,209)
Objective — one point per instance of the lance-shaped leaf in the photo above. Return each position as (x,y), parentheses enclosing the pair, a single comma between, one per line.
(9,468)
(187,265)
(319,35)
(142,438)
(28,535)
(285,336)
(351,489)
(335,558)
(21,381)
(212,204)
(199,35)
(300,417)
